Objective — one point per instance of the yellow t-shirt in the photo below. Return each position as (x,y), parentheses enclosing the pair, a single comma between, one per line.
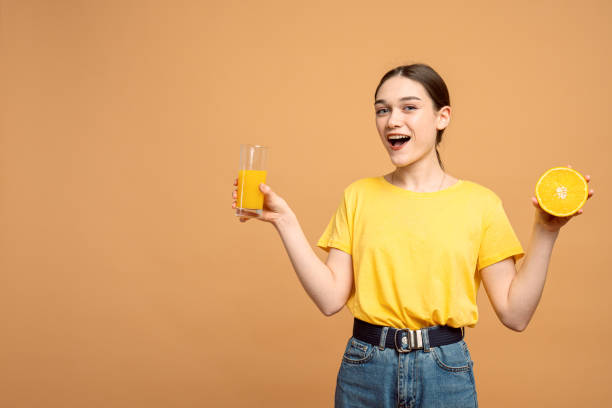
(416,256)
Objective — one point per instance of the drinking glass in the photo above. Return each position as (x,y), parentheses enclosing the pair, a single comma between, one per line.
(251,172)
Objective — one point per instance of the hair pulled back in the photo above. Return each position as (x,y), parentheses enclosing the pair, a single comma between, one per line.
(433,84)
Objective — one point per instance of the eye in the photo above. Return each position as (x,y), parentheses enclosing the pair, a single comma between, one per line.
(409,107)
(381,111)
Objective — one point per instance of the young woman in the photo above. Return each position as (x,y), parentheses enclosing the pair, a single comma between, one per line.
(407,253)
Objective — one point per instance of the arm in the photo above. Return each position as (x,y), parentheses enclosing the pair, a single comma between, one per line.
(328,284)
(515,294)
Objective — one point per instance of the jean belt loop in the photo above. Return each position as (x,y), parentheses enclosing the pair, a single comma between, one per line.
(383,338)
(425,335)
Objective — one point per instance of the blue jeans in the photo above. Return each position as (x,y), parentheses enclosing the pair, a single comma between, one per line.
(376,377)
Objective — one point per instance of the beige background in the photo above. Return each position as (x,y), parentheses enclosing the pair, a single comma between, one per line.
(126,280)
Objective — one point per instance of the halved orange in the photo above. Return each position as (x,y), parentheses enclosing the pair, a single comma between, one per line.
(561,191)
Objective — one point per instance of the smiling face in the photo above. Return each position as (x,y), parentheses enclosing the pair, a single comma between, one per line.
(405,113)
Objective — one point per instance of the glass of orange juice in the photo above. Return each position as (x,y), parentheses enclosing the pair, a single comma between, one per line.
(251,173)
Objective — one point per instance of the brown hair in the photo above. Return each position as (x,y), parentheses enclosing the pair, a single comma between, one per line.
(433,84)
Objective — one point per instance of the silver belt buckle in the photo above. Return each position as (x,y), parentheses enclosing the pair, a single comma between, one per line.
(413,340)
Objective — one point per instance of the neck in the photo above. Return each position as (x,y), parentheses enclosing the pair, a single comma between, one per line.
(419,180)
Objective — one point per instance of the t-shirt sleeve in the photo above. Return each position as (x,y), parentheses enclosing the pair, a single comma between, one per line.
(338,233)
(498,239)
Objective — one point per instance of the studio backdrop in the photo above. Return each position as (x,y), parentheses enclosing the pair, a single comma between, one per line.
(127,281)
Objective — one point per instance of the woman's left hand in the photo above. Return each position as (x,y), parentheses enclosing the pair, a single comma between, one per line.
(551,222)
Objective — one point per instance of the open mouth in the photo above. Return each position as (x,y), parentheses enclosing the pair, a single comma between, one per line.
(397,140)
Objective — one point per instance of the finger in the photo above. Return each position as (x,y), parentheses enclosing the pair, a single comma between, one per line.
(235,181)
(569,166)
(243,219)
(234,204)
(591,192)
(587,178)
(579,212)
(234,194)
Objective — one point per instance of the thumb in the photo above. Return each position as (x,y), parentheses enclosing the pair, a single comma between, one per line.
(264,188)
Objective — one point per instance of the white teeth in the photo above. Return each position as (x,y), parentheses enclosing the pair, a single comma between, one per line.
(392,137)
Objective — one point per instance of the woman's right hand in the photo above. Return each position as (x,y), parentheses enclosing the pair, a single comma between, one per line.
(275,208)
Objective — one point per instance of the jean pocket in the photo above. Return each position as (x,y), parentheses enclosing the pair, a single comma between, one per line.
(358,352)
(453,357)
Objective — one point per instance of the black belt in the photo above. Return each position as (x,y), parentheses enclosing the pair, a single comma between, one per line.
(406,340)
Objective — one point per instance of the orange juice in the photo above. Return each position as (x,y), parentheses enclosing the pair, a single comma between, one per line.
(249,195)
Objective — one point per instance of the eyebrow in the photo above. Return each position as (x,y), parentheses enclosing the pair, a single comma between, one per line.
(405,98)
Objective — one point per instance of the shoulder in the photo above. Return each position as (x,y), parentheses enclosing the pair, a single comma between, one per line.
(362,189)
(481,199)
(481,193)
(363,185)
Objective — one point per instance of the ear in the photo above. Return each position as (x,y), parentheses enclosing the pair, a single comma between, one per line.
(443,118)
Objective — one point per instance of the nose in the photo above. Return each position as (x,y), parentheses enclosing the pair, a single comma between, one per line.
(394,119)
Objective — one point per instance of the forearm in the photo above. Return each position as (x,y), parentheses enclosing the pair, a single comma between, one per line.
(314,275)
(528,284)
